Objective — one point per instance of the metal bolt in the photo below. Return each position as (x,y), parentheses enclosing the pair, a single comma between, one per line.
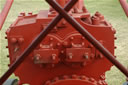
(65,44)
(102,77)
(30,13)
(58,44)
(70,55)
(53,56)
(114,31)
(92,79)
(51,39)
(83,77)
(90,45)
(53,65)
(16,49)
(74,76)
(115,38)
(83,38)
(100,55)
(22,14)
(65,77)
(86,56)
(13,40)
(37,56)
(7,32)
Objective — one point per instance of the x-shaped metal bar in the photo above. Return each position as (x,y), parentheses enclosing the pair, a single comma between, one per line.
(4,12)
(88,36)
(124,4)
(35,43)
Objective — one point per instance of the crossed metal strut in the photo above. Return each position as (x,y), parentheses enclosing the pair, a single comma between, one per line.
(76,25)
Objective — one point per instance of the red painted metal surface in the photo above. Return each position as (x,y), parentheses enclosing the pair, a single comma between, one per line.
(89,37)
(124,4)
(33,44)
(49,50)
(4,12)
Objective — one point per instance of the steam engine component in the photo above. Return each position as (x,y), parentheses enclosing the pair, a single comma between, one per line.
(65,56)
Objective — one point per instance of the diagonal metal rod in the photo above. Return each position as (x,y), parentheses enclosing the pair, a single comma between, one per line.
(35,43)
(88,36)
(5,11)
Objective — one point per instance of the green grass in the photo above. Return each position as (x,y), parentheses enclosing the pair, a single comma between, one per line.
(112,11)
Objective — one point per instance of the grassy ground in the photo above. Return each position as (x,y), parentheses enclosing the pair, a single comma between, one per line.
(110,8)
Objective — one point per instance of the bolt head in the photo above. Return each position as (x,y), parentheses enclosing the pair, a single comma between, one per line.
(70,56)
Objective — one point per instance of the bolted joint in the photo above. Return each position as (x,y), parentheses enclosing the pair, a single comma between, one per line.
(86,56)
(13,40)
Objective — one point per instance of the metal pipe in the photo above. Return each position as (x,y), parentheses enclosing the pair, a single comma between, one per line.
(124,5)
(35,43)
(4,13)
(89,37)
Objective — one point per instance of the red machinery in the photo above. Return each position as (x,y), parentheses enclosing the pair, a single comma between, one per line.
(49,50)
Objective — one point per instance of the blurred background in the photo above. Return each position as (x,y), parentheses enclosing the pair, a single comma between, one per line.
(112,11)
